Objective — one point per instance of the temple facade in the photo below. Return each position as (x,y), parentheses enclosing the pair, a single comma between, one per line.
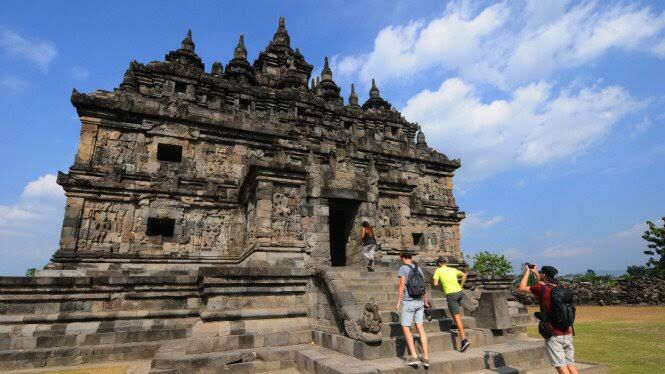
(247,164)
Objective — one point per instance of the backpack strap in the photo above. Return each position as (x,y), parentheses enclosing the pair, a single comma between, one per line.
(543,313)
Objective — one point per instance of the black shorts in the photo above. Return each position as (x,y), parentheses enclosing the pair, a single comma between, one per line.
(454,300)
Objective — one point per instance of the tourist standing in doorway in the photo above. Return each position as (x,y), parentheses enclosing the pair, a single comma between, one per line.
(411,301)
(369,244)
(452,287)
(558,341)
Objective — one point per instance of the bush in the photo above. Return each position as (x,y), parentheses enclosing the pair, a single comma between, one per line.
(30,272)
(491,264)
(638,271)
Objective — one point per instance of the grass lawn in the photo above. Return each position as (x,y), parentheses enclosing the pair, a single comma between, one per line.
(628,339)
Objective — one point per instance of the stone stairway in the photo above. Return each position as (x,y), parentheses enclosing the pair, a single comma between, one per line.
(238,346)
(489,353)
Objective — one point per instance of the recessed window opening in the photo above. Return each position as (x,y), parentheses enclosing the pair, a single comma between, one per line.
(180,87)
(160,227)
(169,152)
(394,130)
(417,238)
(348,125)
(245,104)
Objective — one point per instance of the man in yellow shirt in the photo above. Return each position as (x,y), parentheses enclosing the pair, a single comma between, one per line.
(452,287)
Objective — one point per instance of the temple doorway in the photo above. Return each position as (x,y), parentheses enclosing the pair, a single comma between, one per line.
(342,213)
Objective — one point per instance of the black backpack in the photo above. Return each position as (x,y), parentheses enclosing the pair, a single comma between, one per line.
(562,307)
(415,283)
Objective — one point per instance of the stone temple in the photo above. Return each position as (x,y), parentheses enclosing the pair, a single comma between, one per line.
(212,225)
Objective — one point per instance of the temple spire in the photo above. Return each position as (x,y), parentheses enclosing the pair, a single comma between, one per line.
(353,98)
(326,74)
(375,101)
(281,37)
(188,43)
(240,51)
(374,91)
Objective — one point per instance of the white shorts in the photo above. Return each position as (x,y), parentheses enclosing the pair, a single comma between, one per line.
(560,350)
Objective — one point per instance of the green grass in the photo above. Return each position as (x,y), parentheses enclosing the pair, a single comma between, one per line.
(628,340)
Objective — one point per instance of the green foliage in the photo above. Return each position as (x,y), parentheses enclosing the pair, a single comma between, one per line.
(590,272)
(491,264)
(638,271)
(655,236)
(30,272)
(596,279)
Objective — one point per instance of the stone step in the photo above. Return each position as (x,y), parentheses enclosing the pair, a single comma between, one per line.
(249,326)
(92,327)
(174,360)
(246,341)
(38,358)
(435,325)
(389,305)
(396,346)
(522,368)
(321,360)
(393,315)
(14,319)
(392,286)
(92,339)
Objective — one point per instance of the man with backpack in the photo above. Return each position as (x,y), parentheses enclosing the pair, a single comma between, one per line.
(557,314)
(411,301)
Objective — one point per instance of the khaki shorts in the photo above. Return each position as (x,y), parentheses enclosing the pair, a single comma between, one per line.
(560,350)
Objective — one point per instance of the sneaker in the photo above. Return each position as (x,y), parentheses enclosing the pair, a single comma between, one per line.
(425,362)
(465,345)
(412,361)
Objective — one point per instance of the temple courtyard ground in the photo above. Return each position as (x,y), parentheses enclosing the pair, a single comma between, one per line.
(627,339)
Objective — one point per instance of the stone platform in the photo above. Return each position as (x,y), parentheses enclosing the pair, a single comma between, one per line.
(247,320)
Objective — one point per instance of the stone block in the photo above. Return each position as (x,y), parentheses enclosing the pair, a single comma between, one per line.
(492,311)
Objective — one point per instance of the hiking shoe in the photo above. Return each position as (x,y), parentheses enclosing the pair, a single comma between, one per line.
(465,345)
(412,361)
(425,362)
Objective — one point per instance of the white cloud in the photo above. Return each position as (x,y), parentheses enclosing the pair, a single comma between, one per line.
(11,84)
(38,52)
(44,186)
(659,49)
(29,229)
(564,251)
(508,43)
(480,221)
(534,126)
(79,73)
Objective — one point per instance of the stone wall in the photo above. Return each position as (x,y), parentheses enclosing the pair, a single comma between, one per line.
(621,292)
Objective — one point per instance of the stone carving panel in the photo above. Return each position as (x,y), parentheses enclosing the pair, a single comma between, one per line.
(433,190)
(208,230)
(114,148)
(285,215)
(105,226)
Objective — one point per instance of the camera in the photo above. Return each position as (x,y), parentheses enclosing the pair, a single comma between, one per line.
(531,266)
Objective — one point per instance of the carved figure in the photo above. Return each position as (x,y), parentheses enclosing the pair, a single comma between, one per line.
(371,321)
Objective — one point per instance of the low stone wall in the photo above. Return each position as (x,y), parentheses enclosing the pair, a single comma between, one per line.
(624,291)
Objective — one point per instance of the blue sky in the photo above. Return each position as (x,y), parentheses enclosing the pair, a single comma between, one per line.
(555,108)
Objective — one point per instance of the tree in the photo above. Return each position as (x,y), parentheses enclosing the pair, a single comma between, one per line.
(30,272)
(637,271)
(656,238)
(590,272)
(491,264)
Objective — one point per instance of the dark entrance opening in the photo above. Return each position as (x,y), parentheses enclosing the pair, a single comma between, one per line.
(342,212)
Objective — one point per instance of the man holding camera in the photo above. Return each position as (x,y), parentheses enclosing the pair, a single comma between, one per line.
(558,341)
